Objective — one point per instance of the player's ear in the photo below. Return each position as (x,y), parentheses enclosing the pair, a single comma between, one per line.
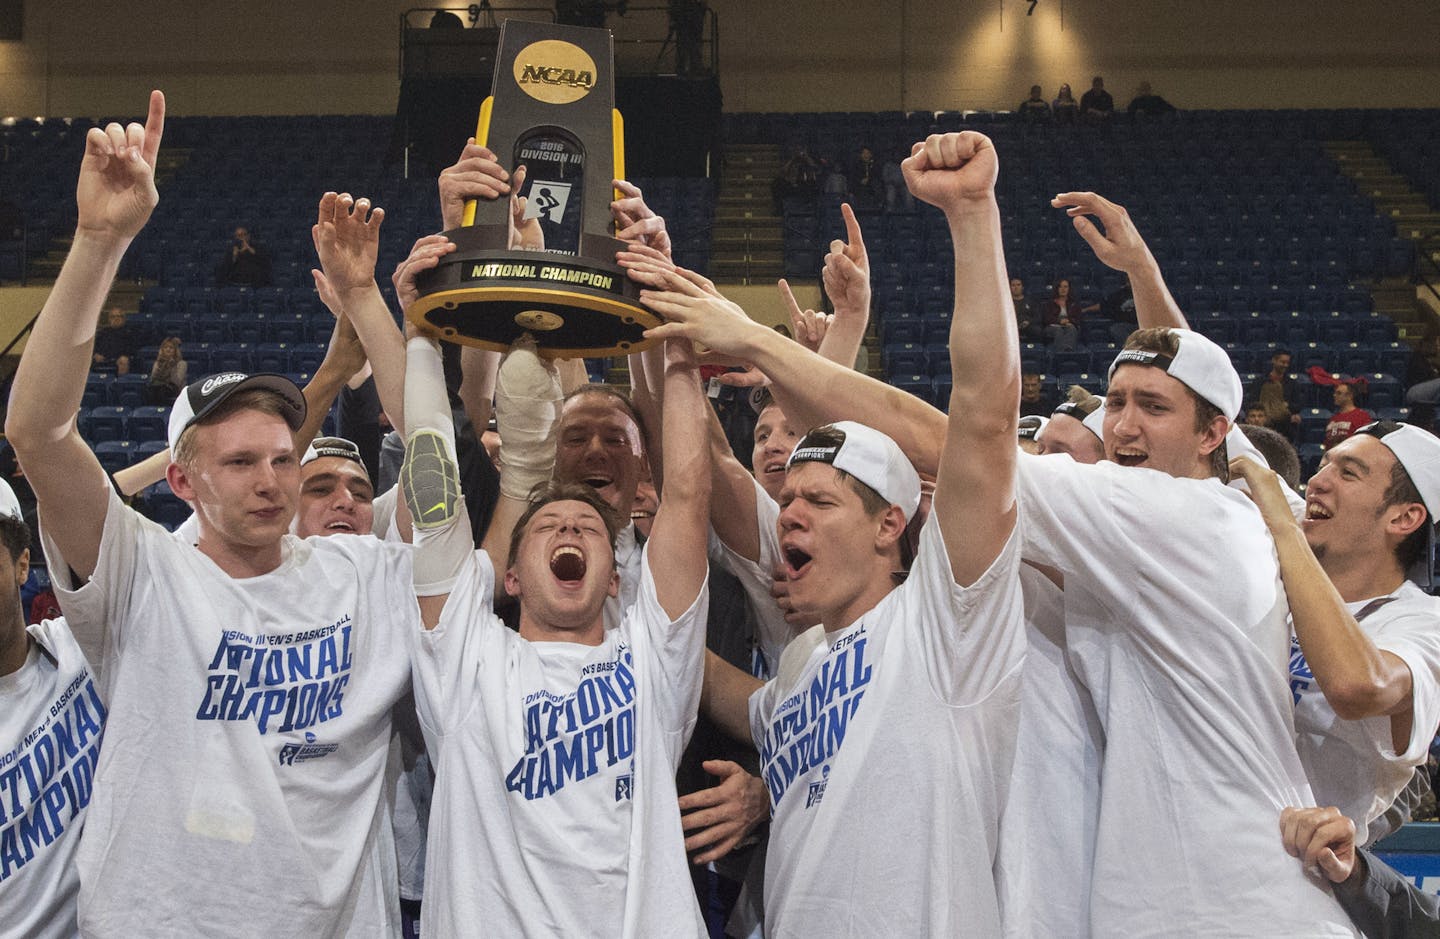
(512,583)
(891,527)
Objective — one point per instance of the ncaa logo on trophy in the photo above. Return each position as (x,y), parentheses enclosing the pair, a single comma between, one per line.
(552,110)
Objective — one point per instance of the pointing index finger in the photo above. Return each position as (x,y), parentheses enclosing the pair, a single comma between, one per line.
(852,227)
(154,127)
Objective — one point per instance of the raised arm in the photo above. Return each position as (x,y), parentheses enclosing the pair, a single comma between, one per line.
(344,357)
(1358,679)
(677,552)
(527,414)
(811,389)
(732,500)
(347,239)
(1118,245)
(846,276)
(115,196)
(975,487)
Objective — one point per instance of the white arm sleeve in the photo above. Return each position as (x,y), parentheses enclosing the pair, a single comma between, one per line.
(430,477)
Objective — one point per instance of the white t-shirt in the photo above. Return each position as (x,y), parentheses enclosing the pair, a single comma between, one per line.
(1047,832)
(1175,620)
(628,564)
(755,579)
(555,812)
(51,720)
(240,791)
(1353,764)
(886,747)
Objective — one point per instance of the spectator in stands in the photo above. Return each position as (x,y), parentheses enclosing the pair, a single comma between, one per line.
(1147,103)
(897,194)
(1062,315)
(1348,417)
(168,374)
(1034,109)
(864,179)
(800,176)
(115,341)
(1033,398)
(1065,108)
(1096,105)
(1278,394)
(1027,319)
(246,264)
(1255,415)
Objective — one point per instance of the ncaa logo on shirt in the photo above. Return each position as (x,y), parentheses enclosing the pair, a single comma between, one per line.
(293,753)
(817,789)
(623,789)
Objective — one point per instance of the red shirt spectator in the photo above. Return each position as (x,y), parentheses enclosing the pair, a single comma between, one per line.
(1347,419)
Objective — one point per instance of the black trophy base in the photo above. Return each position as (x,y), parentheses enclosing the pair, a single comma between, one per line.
(573,306)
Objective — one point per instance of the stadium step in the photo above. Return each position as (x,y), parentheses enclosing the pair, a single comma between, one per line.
(748,240)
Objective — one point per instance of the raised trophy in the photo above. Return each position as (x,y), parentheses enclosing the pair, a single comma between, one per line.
(552,109)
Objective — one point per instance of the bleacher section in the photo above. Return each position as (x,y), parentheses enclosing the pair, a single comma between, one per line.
(1264,242)
(266,173)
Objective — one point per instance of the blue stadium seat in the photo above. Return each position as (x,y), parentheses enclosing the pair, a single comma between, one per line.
(149,422)
(903,358)
(1383,391)
(1312,425)
(128,390)
(107,423)
(1310,455)
(97,391)
(115,455)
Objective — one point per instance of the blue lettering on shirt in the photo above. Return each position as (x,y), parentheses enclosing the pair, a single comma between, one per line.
(51,776)
(282,682)
(1301,678)
(571,737)
(807,729)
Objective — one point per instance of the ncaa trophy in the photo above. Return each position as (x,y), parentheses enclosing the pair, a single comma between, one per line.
(552,109)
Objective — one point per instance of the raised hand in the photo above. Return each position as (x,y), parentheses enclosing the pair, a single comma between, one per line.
(718,819)
(846,273)
(347,238)
(1266,491)
(637,222)
(525,234)
(693,310)
(1116,242)
(951,171)
(424,255)
(116,192)
(807,327)
(476,175)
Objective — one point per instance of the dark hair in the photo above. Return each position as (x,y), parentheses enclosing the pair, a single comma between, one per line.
(610,391)
(552,491)
(1277,451)
(16,536)
(1162,339)
(1402,491)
